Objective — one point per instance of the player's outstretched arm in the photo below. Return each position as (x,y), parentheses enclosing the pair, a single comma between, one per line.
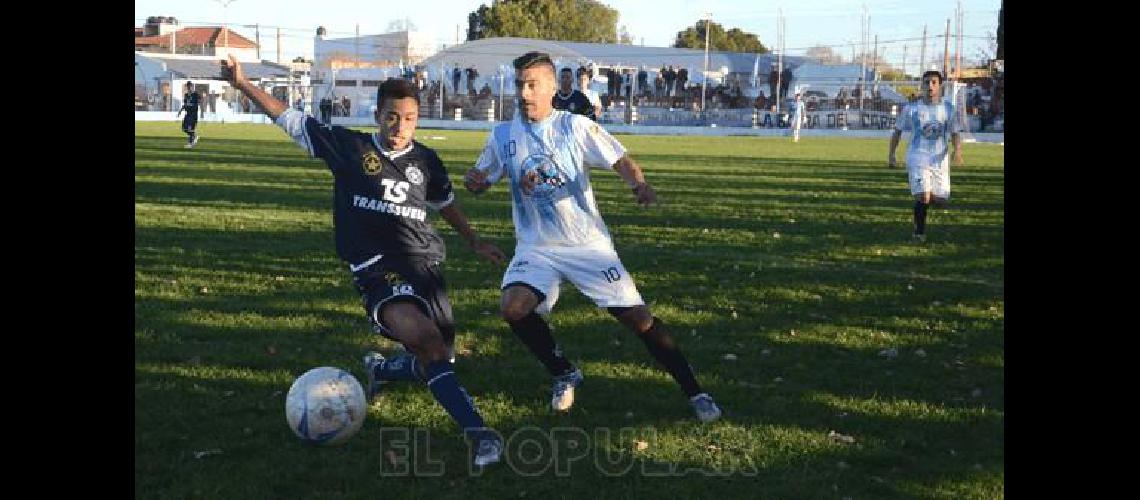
(631,173)
(232,72)
(891,162)
(458,220)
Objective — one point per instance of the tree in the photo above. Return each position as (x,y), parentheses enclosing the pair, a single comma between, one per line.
(477,23)
(824,54)
(733,40)
(568,20)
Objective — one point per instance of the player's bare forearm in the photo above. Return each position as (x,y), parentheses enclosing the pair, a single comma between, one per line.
(234,74)
(629,171)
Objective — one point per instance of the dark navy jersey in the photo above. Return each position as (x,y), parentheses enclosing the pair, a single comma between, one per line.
(380,197)
(190,102)
(576,103)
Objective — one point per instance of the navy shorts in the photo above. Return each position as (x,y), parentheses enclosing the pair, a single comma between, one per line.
(190,122)
(415,280)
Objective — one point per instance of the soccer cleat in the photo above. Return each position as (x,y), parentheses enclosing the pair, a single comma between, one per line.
(488,452)
(706,409)
(372,362)
(919,238)
(195,141)
(563,391)
(188,145)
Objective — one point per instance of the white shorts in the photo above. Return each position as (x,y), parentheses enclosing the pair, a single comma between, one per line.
(594,269)
(925,176)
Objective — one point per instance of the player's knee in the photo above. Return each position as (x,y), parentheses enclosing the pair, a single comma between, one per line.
(637,318)
(513,310)
(427,343)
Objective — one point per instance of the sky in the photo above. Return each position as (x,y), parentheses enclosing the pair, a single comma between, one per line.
(651,22)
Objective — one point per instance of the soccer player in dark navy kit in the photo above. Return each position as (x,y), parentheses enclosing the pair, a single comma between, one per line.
(569,99)
(190,102)
(383,183)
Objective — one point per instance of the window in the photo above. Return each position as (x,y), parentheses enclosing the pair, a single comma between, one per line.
(346,83)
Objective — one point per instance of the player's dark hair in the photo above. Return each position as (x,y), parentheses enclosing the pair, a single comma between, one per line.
(583,71)
(395,88)
(532,59)
(934,73)
(566,69)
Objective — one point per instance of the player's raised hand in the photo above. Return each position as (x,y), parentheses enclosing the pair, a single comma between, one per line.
(232,71)
(489,251)
(475,180)
(645,194)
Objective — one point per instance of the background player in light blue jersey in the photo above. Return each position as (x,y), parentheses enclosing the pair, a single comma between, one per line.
(797,116)
(928,168)
(543,152)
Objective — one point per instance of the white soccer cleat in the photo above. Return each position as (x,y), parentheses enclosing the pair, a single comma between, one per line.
(705,407)
(488,452)
(563,391)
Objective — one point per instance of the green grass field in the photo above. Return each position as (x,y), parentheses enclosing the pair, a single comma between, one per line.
(794,258)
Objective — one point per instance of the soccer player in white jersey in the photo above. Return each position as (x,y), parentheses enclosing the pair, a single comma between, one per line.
(929,120)
(542,152)
(797,116)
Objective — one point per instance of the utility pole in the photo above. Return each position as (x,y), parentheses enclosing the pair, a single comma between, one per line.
(958,63)
(257,39)
(705,79)
(904,62)
(946,52)
(922,57)
(863,65)
(779,57)
(875,65)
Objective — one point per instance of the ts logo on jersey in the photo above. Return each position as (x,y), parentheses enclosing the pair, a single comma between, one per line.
(370,163)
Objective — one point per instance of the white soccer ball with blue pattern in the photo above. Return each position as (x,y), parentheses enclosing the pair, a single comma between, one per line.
(325,406)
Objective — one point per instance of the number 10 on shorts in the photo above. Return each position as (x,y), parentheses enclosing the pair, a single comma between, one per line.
(611,275)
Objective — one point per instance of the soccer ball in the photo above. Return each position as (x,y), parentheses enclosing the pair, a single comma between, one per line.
(325,406)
